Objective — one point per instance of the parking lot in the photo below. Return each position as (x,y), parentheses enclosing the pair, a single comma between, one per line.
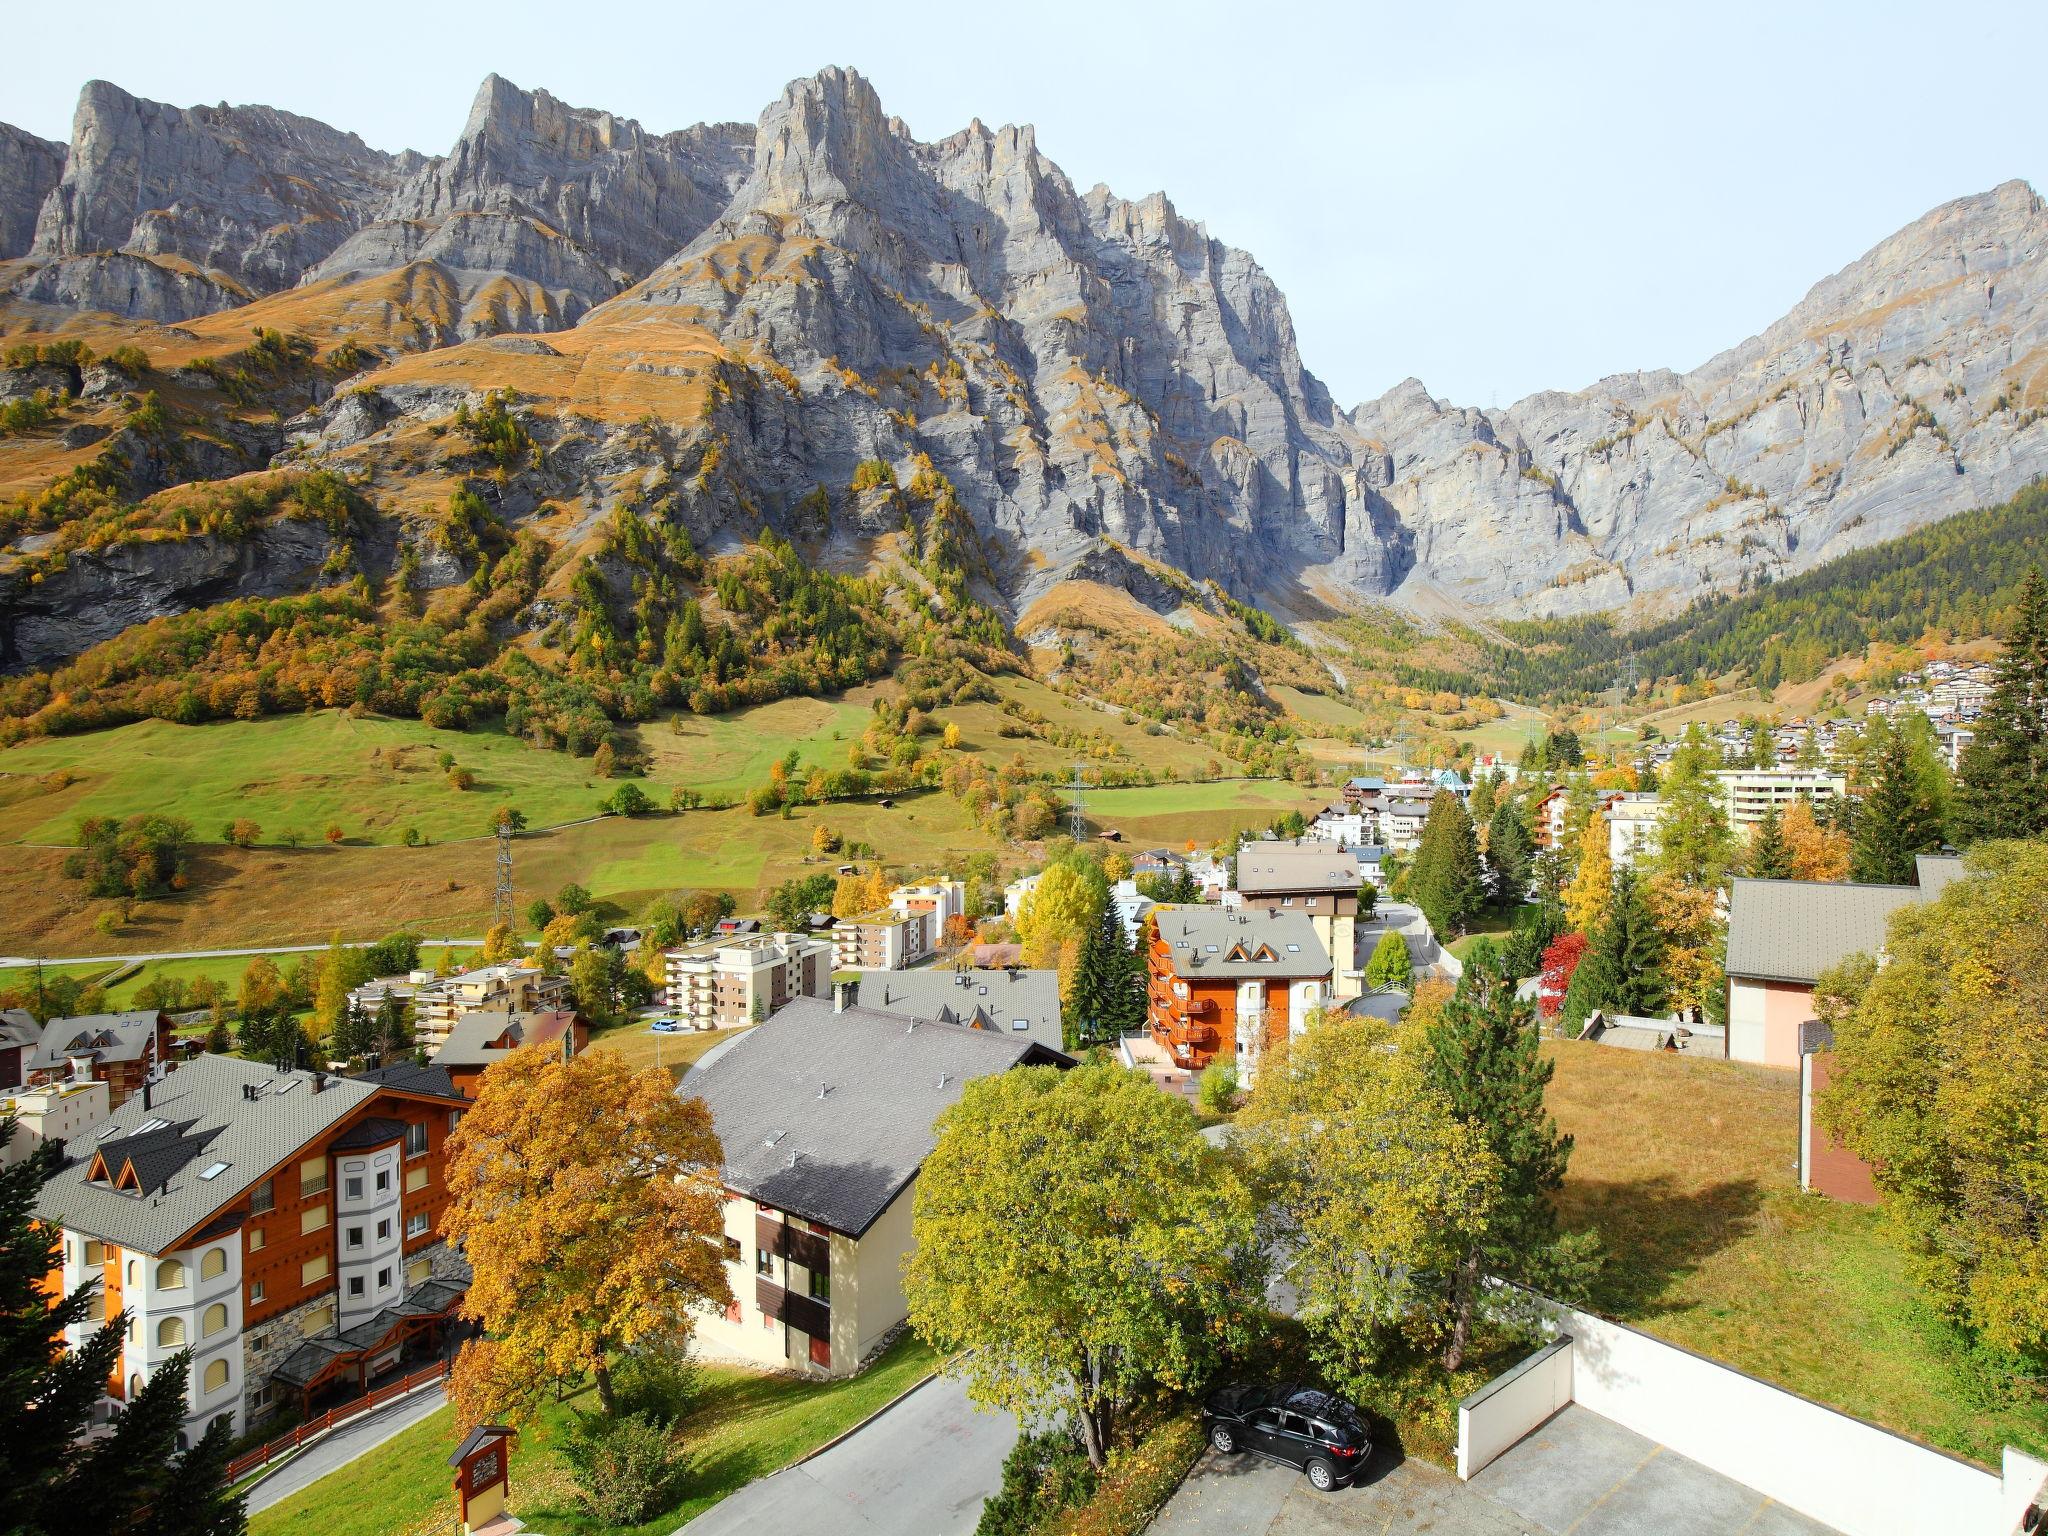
(1577,1475)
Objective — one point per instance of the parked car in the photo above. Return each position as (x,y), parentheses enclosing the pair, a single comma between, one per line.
(1301,1426)
(667,1027)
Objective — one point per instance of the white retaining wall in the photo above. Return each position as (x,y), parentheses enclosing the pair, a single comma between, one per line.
(1512,1404)
(1841,1471)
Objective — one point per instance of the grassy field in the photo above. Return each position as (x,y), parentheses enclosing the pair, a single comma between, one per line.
(746,1426)
(1687,1168)
(1172,813)
(642,1047)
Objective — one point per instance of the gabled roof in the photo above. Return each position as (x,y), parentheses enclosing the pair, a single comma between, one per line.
(830,1115)
(102,1036)
(1235,944)
(203,1100)
(18,1027)
(979,999)
(1792,930)
(475,1041)
(410,1077)
(1935,872)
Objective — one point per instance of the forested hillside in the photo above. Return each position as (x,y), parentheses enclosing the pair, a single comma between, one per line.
(1957,578)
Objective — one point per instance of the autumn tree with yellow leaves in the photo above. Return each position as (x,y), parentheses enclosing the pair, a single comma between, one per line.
(588,1201)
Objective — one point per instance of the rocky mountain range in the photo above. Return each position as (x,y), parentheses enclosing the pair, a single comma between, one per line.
(722,321)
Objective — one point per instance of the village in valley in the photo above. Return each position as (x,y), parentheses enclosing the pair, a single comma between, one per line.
(290,1176)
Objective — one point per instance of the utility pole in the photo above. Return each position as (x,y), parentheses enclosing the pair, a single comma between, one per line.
(501,898)
(1077,801)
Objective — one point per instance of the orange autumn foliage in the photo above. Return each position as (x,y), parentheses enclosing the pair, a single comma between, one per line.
(588,1201)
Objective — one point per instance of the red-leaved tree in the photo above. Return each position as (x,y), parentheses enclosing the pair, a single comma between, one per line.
(1559,961)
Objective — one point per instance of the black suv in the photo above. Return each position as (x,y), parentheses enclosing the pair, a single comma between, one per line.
(1301,1426)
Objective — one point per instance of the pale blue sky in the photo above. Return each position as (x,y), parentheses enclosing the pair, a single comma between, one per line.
(1495,199)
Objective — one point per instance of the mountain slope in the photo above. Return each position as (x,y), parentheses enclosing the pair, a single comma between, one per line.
(880,346)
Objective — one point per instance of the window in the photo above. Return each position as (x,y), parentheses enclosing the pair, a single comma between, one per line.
(764,1262)
(170,1276)
(313,1176)
(170,1333)
(320,1319)
(313,1218)
(1286,901)
(415,1179)
(352,1189)
(213,1171)
(131,1271)
(1020,1023)
(256,1238)
(384,1278)
(733,1250)
(313,1271)
(416,1139)
(454,1118)
(214,1321)
(95,1252)
(355,1286)
(213,1263)
(383,1180)
(134,1384)
(416,1224)
(419,1271)
(264,1199)
(821,1285)
(355,1237)
(384,1230)
(258,1292)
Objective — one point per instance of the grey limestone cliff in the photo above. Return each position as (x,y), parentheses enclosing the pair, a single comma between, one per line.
(29,168)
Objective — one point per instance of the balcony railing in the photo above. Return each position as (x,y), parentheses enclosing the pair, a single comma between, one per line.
(806,1314)
(797,1244)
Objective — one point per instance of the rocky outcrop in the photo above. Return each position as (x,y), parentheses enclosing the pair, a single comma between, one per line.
(1088,372)
(29,168)
(250,193)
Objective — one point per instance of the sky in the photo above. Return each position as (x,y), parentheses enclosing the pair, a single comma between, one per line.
(1492,199)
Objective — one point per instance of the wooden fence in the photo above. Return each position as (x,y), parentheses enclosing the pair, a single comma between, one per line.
(314,1428)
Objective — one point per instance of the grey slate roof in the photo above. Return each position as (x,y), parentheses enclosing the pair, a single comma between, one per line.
(829,1115)
(1792,930)
(1202,937)
(468,1044)
(1935,871)
(993,999)
(204,1097)
(19,1027)
(410,1077)
(1309,865)
(103,1036)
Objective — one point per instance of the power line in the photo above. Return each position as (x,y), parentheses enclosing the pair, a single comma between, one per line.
(1077,802)
(501,898)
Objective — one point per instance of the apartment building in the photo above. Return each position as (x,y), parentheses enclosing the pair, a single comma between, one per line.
(826,1119)
(728,982)
(513,987)
(280,1225)
(1401,823)
(1316,878)
(1222,984)
(1746,793)
(939,901)
(20,1034)
(1634,823)
(480,1040)
(119,1049)
(58,1111)
(886,940)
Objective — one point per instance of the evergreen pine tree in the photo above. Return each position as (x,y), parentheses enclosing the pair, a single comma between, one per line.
(1107,1001)
(1896,821)
(394,1029)
(2002,783)
(1770,856)
(1446,881)
(355,1037)
(1623,971)
(1510,851)
(1484,1056)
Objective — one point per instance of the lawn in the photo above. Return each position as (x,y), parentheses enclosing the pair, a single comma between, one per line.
(1494,922)
(1172,813)
(642,1047)
(1688,1169)
(747,1425)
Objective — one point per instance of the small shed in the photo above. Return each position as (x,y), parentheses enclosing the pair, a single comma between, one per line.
(483,1475)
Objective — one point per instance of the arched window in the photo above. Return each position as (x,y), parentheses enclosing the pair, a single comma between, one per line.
(216,1375)
(215,1320)
(215,1262)
(131,1271)
(134,1385)
(170,1276)
(170,1332)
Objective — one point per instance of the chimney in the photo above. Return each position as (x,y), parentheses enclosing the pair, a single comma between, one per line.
(147,1086)
(319,1081)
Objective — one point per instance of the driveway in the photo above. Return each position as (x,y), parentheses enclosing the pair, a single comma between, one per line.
(921,1468)
(1579,1474)
(340,1446)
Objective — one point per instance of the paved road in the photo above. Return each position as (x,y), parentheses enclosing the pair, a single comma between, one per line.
(343,1446)
(1248,1496)
(922,1468)
(211,954)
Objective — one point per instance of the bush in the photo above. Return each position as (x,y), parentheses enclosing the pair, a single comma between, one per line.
(657,1380)
(1218,1088)
(625,1468)
(1388,970)
(1042,1475)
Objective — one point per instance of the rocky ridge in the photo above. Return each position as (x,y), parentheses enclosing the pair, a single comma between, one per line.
(1090,374)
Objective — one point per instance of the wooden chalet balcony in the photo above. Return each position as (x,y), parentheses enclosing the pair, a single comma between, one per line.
(798,1245)
(806,1314)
